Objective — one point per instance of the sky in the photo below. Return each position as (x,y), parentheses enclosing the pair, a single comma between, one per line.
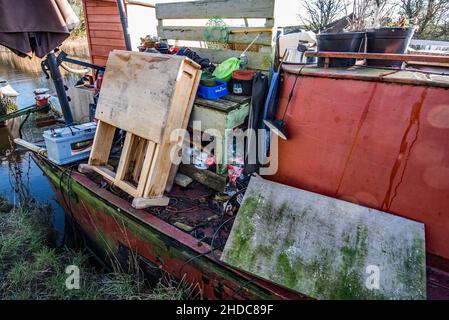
(142,21)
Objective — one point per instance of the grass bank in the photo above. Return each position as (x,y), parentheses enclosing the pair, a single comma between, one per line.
(30,268)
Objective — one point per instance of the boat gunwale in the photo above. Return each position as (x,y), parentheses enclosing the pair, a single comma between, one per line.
(353,73)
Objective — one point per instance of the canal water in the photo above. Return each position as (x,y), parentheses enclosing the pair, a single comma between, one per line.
(40,188)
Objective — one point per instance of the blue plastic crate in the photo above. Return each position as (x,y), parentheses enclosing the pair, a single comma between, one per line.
(70,144)
(213,93)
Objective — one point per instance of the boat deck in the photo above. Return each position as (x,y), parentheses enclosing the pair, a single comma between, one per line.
(197,211)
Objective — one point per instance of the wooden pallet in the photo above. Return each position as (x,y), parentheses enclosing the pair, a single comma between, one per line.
(148,96)
(260,55)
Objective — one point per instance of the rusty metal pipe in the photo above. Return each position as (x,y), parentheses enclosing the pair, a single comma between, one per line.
(124,21)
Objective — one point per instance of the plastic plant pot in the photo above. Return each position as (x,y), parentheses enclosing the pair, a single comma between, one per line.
(242,82)
(388,40)
(340,42)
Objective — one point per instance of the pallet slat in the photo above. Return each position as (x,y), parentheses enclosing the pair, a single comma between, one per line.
(236,9)
(200,34)
(99,60)
(102,51)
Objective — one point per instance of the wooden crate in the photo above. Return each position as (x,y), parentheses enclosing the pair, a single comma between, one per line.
(148,96)
(260,55)
(222,115)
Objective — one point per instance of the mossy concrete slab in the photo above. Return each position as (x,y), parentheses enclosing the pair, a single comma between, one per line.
(326,248)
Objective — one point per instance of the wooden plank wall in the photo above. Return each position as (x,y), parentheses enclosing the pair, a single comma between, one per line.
(260,55)
(104,29)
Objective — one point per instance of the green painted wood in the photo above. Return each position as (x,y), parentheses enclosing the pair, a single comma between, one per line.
(219,118)
(237,98)
(237,117)
(326,248)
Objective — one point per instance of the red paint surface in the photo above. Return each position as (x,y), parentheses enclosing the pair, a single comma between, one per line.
(384,146)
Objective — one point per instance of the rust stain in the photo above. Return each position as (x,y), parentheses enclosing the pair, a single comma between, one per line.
(414,121)
(356,137)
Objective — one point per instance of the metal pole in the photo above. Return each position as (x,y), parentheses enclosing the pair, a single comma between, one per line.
(124,21)
(59,86)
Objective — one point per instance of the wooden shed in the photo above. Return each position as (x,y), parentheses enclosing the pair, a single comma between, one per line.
(103,28)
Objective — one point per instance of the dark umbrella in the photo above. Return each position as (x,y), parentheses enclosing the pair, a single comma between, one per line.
(36,27)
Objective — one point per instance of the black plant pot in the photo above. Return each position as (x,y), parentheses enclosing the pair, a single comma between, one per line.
(340,42)
(388,40)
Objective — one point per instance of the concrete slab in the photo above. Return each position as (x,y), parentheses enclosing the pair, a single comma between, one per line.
(324,247)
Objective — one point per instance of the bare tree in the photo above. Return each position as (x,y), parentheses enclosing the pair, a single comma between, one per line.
(384,11)
(320,13)
(372,14)
(430,15)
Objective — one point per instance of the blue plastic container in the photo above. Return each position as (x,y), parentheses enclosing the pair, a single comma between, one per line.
(70,144)
(213,93)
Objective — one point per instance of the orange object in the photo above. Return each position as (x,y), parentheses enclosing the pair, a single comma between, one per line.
(245,75)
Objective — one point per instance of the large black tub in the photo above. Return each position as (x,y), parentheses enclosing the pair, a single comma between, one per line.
(340,42)
(388,40)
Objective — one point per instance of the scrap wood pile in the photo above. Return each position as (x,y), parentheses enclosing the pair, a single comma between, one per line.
(147,96)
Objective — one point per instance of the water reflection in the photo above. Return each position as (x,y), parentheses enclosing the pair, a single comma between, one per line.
(40,188)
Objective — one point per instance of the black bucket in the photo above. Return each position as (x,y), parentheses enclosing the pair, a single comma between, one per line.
(340,42)
(388,40)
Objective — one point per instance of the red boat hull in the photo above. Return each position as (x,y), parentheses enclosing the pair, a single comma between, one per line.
(379,144)
(111,224)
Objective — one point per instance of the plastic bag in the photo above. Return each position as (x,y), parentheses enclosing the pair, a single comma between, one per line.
(225,69)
